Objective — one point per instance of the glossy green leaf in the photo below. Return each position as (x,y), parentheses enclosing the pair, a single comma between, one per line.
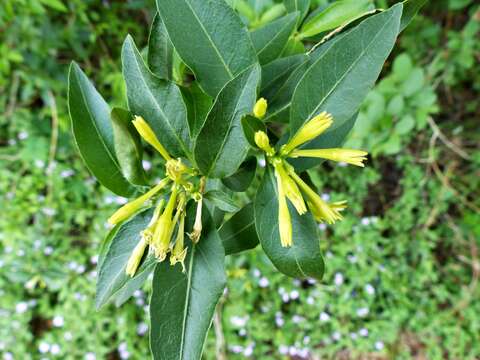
(182,304)
(339,80)
(93,132)
(158,101)
(238,233)
(250,126)
(126,292)
(277,72)
(210,38)
(410,9)
(160,50)
(270,40)
(128,147)
(111,271)
(298,5)
(198,105)
(222,200)
(337,14)
(241,180)
(303,258)
(221,146)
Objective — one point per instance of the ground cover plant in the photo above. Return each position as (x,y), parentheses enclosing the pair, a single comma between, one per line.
(380,271)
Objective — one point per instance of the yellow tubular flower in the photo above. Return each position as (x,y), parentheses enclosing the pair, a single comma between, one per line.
(149,136)
(284,220)
(179,252)
(290,188)
(349,156)
(148,232)
(164,228)
(175,169)
(197,226)
(262,141)
(135,258)
(308,131)
(260,108)
(133,206)
(320,209)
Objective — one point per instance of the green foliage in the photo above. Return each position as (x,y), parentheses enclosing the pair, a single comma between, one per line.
(399,283)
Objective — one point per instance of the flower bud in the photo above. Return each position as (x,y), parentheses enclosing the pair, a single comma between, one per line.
(260,108)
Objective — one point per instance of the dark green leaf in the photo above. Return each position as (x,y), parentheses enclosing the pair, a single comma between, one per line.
(270,40)
(277,72)
(222,200)
(182,304)
(93,132)
(238,233)
(126,292)
(198,104)
(128,147)
(298,5)
(410,9)
(303,258)
(241,180)
(250,126)
(210,38)
(111,272)
(337,14)
(160,50)
(158,101)
(338,81)
(221,146)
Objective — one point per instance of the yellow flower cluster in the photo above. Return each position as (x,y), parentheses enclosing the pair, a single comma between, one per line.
(291,186)
(169,215)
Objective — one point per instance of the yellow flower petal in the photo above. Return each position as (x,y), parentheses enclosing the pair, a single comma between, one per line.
(284,219)
(260,108)
(290,188)
(149,136)
(135,258)
(262,141)
(349,156)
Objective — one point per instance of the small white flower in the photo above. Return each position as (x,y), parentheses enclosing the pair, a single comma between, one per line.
(37,244)
(58,321)
(324,317)
(363,332)
(296,319)
(48,211)
(44,347)
(294,294)
(124,354)
(20,253)
(263,282)
(325,197)
(379,345)
(336,336)
(140,302)
(353,336)
(256,273)
(242,332)
(72,265)
(7,356)
(281,290)
(362,312)
(21,307)
(365,221)
(279,321)
(138,293)
(39,163)
(120,200)
(147,165)
(292,351)
(306,340)
(55,349)
(262,162)
(90,356)
(352,259)
(248,350)
(303,353)
(239,321)
(142,329)
(310,300)
(68,336)
(338,280)
(94,259)
(342,164)
(370,290)
(285,298)
(283,349)
(67,173)
(322,226)
(236,349)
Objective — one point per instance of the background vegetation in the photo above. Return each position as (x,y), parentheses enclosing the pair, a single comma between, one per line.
(402,268)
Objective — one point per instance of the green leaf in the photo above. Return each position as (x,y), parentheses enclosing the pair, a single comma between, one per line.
(241,180)
(210,38)
(250,126)
(93,132)
(238,233)
(337,14)
(221,146)
(410,9)
(222,200)
(303,258)
(158,101)
(198,105)
(160,50)
(298,5)
(339,80)
(270,40)
(55,4)
(277,72)
(126,292)
(127,146)
(182,304)
(111,271)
